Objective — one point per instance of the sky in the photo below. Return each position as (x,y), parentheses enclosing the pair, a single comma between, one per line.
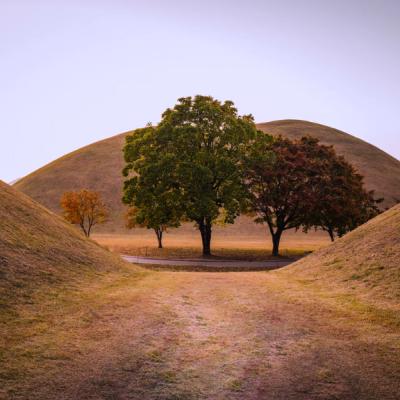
(74,72)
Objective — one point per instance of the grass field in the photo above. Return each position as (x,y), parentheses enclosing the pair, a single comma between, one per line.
(188,244)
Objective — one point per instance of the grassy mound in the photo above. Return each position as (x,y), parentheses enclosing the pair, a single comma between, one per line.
(51,279)
(365,262)
(39,251)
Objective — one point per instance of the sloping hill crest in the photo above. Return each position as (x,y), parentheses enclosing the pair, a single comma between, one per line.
(381,170)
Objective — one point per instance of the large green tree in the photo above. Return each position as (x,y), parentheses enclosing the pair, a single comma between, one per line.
(195,155)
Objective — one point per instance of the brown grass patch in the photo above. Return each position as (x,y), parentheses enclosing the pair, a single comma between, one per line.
(182,245)
(198,336)
(364,262)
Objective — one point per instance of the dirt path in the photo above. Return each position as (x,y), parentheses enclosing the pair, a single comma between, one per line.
(223,265)
(224,336)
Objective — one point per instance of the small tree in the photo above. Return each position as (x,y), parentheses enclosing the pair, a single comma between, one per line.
(136,217)
(341,201)
(84,208)
(152,215)
(193,158)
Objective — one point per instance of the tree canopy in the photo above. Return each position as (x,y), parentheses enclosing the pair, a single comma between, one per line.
(305,184)
(194,157)
(84,208)
(341,201)
(152,204)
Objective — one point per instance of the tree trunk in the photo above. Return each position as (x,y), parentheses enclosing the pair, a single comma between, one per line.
(87,234)
(276,239)
(89,230)
(205,231)
(331,234)
(159,234)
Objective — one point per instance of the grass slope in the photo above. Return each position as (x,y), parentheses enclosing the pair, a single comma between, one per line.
(365,262)
(46,268)
(98,167)
(38,251)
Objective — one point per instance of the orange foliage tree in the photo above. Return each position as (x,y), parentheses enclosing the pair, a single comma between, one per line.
(84,208)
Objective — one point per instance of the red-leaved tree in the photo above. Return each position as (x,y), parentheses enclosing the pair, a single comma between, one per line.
(301,183)
(84,208)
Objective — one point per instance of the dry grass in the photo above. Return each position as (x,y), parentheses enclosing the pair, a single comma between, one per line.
(177,244)
(198,336)
(80,169)
(366,262)
(41,255)
(77,323)
(38,248)
(48,272)
(56,325)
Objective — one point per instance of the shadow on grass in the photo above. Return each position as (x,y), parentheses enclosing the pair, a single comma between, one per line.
(193,268)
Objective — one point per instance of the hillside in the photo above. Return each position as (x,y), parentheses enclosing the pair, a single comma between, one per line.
(364,263)
(51,277)
(39,251)
(98,167)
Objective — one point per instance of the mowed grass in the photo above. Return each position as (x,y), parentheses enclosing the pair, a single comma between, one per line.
(365,261)
(152,335)
(187,244)
(43,264)
(57,325)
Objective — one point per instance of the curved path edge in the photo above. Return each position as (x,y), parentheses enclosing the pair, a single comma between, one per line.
(209,265)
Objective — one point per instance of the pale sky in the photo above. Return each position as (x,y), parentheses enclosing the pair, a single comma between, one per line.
(73,72)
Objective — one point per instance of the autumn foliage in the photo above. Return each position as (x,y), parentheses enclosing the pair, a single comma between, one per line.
(303,184)
(84,208)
